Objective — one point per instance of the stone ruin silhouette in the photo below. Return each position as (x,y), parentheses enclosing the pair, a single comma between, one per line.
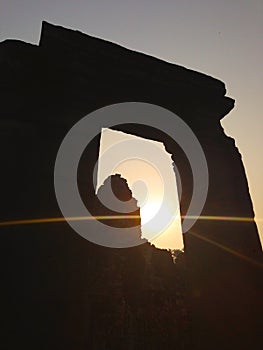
(48,269)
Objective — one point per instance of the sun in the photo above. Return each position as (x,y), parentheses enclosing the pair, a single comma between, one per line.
(161,225)
(149,210)
(156,215)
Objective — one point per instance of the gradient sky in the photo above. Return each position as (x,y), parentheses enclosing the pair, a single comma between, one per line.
(222,38)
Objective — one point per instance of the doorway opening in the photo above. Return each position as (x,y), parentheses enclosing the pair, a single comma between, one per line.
(148,170)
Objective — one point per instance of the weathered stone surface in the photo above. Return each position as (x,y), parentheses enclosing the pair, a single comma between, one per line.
(45,89)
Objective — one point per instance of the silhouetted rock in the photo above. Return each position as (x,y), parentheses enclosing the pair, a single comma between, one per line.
(65,292)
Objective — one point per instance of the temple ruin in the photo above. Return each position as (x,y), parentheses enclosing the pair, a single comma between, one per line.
(45,90)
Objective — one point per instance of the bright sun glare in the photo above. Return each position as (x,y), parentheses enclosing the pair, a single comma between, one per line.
(148,211)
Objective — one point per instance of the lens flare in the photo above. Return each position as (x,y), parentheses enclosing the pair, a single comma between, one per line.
(149,215)
(227,249)
(132,217)
(63,219)
(222,218)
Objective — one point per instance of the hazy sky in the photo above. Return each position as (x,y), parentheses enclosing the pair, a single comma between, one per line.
(223,38)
